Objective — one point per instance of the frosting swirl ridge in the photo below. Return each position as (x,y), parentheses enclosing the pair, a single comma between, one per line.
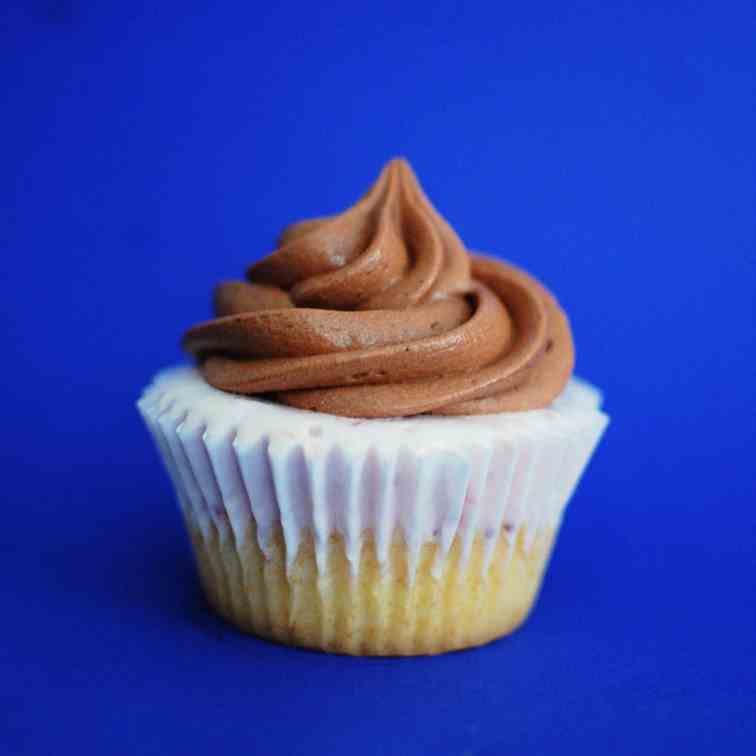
(380,311)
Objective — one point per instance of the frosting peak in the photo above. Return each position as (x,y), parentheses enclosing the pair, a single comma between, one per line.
(390,251)
(380,311)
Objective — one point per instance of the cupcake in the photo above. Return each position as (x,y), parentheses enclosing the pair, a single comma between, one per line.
(376,446)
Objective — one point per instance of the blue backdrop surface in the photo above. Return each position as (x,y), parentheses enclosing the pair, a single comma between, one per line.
(149,150)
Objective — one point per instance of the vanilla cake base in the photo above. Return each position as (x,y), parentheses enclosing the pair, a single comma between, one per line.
(369,537)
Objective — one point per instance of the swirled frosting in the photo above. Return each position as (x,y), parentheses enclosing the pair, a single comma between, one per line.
(381,311)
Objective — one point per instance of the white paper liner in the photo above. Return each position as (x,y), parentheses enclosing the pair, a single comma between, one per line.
(431,479)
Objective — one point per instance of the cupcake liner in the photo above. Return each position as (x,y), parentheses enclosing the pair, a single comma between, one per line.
(245,468)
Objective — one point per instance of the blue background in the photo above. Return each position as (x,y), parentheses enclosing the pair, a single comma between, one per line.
(149,150)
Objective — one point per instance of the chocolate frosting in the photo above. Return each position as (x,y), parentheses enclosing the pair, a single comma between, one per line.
(380,311)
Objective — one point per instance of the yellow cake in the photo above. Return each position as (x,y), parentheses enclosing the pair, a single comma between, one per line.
(376,609)
(310,577)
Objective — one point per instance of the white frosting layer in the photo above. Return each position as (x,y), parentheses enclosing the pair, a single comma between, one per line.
(233,458)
